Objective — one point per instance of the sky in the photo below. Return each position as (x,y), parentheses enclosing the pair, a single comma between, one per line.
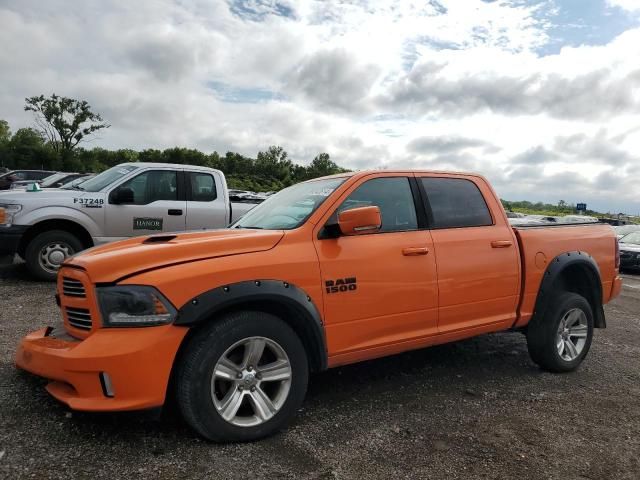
(540,96)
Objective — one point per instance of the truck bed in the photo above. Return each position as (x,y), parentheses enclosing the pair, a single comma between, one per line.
(541,244)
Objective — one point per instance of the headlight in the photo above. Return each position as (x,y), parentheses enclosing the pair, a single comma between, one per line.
(8,212)
(134,306)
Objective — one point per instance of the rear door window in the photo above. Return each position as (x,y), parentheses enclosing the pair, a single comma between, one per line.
(203,187)
(455,203)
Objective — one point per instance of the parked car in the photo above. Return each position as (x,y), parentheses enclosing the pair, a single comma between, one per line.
(515,214)
(577,219)
(630,251)
(8,178)
(130,199)
(53,181)
(243,201)
(324,273)
(622,230)
(542,218)
(527,221)
(74,183)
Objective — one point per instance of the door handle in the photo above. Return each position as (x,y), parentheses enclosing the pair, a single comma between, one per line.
(501,243)
(175,211)
(413,251)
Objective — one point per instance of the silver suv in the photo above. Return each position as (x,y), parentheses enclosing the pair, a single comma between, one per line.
(45,227)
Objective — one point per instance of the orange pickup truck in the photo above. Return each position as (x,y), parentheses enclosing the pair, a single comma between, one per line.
(325,273)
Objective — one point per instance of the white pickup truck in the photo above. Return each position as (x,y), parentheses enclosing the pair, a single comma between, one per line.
(45,227)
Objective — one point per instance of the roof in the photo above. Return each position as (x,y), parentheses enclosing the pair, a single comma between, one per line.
(176,166)
(364,173)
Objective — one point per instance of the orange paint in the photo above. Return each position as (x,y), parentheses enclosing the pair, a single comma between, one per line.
(413,289)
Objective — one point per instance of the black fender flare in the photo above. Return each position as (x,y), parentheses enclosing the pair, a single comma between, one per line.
(553,272)
(307,321)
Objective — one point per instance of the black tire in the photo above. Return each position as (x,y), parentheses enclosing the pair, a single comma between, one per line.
(543,339)
(195,369)
(70,243)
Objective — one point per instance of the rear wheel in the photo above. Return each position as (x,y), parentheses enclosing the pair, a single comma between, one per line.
(47,250)
(242,378)
(560,340)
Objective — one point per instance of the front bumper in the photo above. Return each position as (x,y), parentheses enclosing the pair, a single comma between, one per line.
(137,361)
(629,261)
(10,237)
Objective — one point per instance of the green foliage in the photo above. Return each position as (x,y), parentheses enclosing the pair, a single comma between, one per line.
(271,170)
(64,121)
(27,149)
(274,163)
(5,132)
(322,165)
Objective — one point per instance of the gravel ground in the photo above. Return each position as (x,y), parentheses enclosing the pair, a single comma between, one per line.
(473,409)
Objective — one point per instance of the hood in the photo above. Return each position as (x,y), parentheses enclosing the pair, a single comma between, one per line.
(49,194)
(110,262)
(629,247)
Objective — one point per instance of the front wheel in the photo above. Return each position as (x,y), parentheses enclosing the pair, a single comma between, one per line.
(46,252)
(242,378)
(561,339)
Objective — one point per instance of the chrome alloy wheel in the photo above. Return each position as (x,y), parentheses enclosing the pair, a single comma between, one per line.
(572,334)
(251,381)
(53,254)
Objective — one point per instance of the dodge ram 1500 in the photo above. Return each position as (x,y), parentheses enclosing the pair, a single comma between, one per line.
(325,273)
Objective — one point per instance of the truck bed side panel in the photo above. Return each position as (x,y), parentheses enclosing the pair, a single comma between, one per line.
(540,245)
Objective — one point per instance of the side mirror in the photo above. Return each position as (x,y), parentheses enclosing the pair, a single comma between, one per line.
(122,195)
(360,221)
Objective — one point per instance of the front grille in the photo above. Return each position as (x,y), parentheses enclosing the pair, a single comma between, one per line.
(73,288)
(79,318)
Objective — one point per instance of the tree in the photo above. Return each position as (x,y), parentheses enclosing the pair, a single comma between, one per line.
(5,132)
(5,136)
(275,163)
(323,165)
(63,121)
(28,150)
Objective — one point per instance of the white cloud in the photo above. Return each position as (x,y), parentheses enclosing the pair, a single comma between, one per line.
(431,84)
(630,5)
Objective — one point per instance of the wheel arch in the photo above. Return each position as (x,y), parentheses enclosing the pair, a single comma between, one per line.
(55,224)
(575,272)
(282,299)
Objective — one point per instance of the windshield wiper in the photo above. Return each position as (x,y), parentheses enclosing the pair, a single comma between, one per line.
(251,228)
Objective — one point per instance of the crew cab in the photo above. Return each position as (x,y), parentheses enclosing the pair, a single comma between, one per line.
(47,226)
(324,273)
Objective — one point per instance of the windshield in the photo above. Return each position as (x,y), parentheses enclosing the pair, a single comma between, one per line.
(76,181)
(107,177)
(631,238)
(56,177)
(624,229)
(290,207)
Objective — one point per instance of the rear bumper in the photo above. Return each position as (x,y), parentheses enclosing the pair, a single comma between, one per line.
(137,361)
(616,287)
(10,239)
